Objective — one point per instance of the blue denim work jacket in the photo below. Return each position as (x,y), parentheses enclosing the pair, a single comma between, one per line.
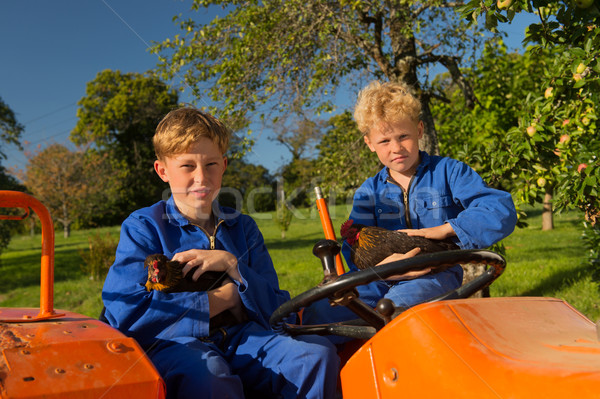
(443,190)
(161,228)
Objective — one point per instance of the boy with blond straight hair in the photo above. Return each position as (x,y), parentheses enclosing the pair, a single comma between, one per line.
(195,357)
(423,195)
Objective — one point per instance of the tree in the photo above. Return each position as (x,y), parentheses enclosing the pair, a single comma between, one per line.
(295,54)
(10,129)
(503,82)
(118,116)
(562,118)
(8,227)
(68,184)
(10,132)
(344,161)
(247,187)
(299,138)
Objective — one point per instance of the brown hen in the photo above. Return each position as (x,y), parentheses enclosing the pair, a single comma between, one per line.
(370,244)
(165,275)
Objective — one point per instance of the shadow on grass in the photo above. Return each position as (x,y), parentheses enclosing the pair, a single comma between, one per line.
(559,281)
(67,266)
(558,218)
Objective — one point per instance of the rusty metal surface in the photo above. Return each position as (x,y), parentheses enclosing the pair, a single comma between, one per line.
(74,357)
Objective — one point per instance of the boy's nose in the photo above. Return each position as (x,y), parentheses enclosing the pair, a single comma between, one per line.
(397,146)
(199,176)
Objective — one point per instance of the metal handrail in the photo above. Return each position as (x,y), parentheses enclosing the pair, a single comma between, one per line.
(17,199)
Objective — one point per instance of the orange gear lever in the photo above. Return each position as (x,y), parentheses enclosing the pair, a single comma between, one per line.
(328,227)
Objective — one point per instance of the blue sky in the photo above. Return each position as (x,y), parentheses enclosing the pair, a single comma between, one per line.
(52,49)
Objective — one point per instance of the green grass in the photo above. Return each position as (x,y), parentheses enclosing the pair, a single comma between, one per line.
(540,263)
(551,264)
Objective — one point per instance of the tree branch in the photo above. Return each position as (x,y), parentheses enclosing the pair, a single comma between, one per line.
(451,63)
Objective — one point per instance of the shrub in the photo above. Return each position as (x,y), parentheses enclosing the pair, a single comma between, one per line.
(100,255)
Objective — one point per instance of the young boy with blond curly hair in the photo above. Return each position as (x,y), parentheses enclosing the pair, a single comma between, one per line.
(196,358)
(423,195)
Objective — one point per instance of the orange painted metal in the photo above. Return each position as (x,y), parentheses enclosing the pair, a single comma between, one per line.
(483,348)
(74,357)
(328,227)
(17,199)
(60,354)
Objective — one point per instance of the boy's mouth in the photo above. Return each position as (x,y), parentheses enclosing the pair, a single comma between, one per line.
(201,192)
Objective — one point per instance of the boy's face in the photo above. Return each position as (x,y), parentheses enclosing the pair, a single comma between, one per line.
(194,177)
(397,145)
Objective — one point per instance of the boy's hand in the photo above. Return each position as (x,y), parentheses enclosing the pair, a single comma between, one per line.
(208,259)
(408,275)
(433,233)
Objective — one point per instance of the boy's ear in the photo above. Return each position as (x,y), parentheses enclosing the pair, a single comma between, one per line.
(224,164)
(161,170)
(368,142)
(421,128)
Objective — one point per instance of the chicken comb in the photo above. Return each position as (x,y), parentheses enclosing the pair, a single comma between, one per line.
(345,226)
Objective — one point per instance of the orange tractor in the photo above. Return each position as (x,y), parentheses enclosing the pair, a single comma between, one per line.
(450,347)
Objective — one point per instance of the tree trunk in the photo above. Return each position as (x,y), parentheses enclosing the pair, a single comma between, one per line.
(429,142)
(31,227)
(547,217)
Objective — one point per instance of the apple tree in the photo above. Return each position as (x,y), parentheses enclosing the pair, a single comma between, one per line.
(502,82)
(560,120)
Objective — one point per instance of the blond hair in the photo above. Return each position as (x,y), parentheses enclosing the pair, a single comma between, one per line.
(385,102)
(182,127)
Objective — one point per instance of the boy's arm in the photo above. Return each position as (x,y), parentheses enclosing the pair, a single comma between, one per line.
(433,233)
(226,297)
(489,214)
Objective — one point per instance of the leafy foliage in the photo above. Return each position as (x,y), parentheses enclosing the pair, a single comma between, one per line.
(344,160)
(299,138)
(67,183)
(118,117)
(293,54)
(8,227)
(284,214)
(482,137)
(247,187)
(557,126)
(99,256)
(10,129)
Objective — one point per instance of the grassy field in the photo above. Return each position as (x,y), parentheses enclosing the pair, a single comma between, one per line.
(540,263)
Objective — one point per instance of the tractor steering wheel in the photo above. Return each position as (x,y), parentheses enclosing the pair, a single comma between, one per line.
(341,290)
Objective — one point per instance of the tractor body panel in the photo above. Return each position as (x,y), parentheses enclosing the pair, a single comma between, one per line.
(72,356)
(490,347)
